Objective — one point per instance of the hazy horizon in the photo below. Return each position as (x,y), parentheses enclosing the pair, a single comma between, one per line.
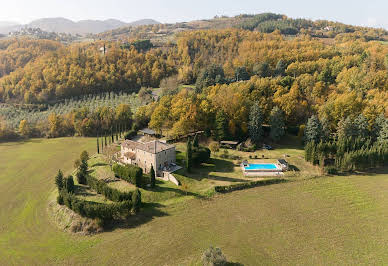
(355,12)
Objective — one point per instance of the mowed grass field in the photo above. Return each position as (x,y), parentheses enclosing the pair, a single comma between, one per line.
(328,220)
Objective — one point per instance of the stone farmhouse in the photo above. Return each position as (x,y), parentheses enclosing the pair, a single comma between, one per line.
(154,153)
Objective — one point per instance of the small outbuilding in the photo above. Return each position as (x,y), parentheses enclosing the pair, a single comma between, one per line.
(283,164)
(229,144)
(147,132)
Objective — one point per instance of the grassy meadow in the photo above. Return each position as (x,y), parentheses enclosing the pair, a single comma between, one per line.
(325,220)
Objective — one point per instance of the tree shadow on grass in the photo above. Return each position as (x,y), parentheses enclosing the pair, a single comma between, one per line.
(213,166)
(99,164)
(180,192)
(225,178)
(83,191)
(147,213)
(293,168)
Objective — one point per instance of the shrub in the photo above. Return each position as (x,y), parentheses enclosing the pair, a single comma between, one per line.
(241,186)
(129,173)
(213,257)
(60,199)
(331,170)
(214,147)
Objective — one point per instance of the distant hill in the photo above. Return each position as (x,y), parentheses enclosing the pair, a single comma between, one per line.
(63,25)
(143,22)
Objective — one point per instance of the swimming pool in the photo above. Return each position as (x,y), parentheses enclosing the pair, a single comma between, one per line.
(262,166)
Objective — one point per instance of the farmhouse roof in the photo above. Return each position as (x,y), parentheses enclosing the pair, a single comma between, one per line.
(147,131)
(154,146)
(229,142)
(282,161)
(130,155)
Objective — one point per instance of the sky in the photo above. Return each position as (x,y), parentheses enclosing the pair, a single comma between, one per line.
(356,12)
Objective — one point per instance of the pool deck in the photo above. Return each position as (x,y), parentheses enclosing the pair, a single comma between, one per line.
(262,172)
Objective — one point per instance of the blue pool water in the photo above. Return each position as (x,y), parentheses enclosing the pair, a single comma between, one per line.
(264,166)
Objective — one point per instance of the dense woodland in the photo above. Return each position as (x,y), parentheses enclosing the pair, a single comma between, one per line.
(335,77)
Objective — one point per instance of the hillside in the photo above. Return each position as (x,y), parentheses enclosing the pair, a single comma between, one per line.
(264,23)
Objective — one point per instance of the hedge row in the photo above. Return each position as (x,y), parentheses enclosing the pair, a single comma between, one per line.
(241,186)
(105,212)
(129,173)
(110,193)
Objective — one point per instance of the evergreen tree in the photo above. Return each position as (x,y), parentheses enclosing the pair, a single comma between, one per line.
(325,129)
(383,133)
(136,200)
(241,73)
(346,129)
(255,123)
(59,180)
(189,155)
(221,126)
(277,124)
(195,141)
(69,184)
(153,176)
(378,125)
(361,124)
(313,130)
(280,69)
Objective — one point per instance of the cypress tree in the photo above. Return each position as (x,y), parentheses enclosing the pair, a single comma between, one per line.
(153,176)
(221,130)
(195,141)
(313,130)
(277,124)
(189,155)
(98,146)
(69,184)
(255,123)
(59,180)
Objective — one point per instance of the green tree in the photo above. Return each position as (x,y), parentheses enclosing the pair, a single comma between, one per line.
(189,155)
(153,176)
(195,141)
(383,133)
(255,123)
(221,130)
(361,124)
(241,73)
(136,200)
(313,130)
(277,124)
(262,70)
(98,146)
(59,180)
(280,69)
(69,184)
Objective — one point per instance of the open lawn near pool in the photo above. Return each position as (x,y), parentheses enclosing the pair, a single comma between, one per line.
(324,220)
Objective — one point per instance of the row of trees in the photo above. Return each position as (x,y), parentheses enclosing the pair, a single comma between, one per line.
(355,146)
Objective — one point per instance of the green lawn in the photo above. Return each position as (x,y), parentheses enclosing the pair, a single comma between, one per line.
(324,221)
